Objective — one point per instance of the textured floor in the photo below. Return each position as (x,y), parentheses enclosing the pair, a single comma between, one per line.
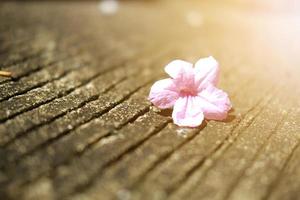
(75,122)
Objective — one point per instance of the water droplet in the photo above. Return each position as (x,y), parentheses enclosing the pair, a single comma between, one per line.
(154,109)
(90,85)
(70,127)
(182,132)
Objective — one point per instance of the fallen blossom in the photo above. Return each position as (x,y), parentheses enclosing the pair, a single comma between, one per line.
(192,92)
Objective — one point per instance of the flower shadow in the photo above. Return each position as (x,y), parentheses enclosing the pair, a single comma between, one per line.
(231,117)
(165,112)
(168,113)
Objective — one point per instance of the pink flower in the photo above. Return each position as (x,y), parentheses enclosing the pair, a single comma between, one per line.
(192,92)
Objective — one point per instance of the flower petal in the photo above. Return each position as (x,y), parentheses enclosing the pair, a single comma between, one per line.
(187,112)
(177,68)
(206,72)
(182,73)
(214,103)
(163,93)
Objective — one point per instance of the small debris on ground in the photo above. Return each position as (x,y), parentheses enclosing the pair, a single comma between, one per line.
(5,74)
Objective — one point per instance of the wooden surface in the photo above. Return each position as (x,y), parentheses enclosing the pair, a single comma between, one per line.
(75,122)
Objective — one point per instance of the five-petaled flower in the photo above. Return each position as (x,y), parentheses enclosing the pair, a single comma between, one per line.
(192,92)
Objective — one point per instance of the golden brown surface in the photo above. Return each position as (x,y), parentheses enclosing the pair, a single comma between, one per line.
(75,122)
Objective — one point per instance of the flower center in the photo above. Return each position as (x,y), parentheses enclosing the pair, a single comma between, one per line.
(186,91)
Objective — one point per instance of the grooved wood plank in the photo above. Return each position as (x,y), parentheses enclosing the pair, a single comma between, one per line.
(189,156)
(124,87)
(37,79)
(79,96)
(75,118)
(112,181)
(148,125)
(52,90)
(53,52)
(288,184)
(232,164)
(204,157)
(87,178)
(50,111)
(266,168)
(32,65)
(107,101)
